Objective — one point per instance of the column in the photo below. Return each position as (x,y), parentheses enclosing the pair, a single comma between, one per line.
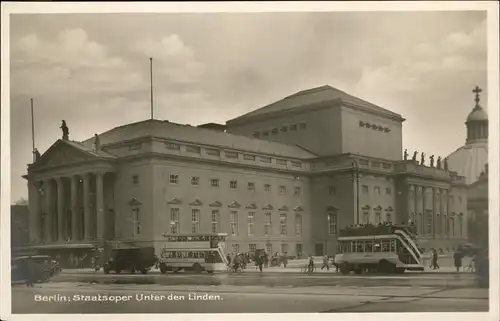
(433,220)
(86,207)
(60,209)
(74,209)
(49,209)
(415,205)
(34,211)
(100,205)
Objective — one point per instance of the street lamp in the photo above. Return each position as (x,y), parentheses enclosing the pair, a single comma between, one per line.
(356,176)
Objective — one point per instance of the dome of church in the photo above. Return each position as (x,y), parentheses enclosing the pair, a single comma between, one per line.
(470,160)
(477,114)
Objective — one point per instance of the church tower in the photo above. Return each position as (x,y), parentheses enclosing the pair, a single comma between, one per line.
(477,122)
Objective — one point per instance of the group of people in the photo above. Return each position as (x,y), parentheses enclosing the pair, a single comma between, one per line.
(261,260)
(457,260)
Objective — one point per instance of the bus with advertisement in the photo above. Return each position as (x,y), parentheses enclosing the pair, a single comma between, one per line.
(193,252)
(385,249)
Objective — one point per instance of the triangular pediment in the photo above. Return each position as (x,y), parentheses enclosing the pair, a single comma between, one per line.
(298,209)
(366,207)
(64,153)
(215,204)
(251,206)
(283,208)
(378,208)
(174,201)
(234,204)
(196,202)
(332,208)
(389,209)
(268,207)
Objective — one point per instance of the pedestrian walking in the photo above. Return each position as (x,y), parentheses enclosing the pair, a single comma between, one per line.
(325,263)
(435,257)
(260,261)
(310,266)
(285,259)
(458,260)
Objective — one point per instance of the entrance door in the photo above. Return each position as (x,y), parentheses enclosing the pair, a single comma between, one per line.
(318,249)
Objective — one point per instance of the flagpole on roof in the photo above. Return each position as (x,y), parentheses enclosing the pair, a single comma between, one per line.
(33,131)
(151,83)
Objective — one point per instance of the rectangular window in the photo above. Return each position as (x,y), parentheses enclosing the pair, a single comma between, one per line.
(283,224)
(364,189)
(137,221)
(267,224)
(298,224)
(332,223)
(293,127)
(296,164)
(297,191)
(284,248)
(376,164)
(231,154)
(388,217)
(251,221)
(174,220)
(174,179)
(284,129)
(195,220)
(213,152)
(274,131)
(386,166)
(135,179)
(281,162)
(249,157)
(172,146)
(233,184)
(377,190)
(282,189)
(366,217)
(252,248)
(265,159)
(251,186)
(215,221)
(332,190)
(363,162)
(193,149)
(377,218)
(303,125)
(266,133)
(233,223)
(214,182)
(236,248)
(267,187)
(269,248)
(195,180)
(256,134)
(388,191)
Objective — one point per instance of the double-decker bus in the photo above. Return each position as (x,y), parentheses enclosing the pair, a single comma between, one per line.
(193,252)
(383,248)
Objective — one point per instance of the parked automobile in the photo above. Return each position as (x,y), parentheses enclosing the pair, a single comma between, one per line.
(43,267)
(132,259)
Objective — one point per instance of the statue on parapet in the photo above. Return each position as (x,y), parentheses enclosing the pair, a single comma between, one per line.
(65,130)
(37,154)
(97,143)
(422,159)
(432,160)
(438,165)
(406,155)
(445,161)
(414,158)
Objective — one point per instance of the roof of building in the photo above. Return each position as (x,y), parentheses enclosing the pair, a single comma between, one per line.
(197,135)
(314,96)
(477,114)
(469,160)
(88,149)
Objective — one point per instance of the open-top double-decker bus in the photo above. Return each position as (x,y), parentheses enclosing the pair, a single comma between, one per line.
(383,248)
(193,252)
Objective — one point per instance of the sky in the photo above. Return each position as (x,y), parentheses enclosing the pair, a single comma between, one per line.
(92,70)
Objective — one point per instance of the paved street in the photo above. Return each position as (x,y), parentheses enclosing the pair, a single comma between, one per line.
(249,277)
(235,299)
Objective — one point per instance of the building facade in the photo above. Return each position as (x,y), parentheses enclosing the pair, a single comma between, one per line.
(284,178)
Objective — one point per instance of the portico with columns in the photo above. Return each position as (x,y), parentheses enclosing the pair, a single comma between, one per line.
(70,193)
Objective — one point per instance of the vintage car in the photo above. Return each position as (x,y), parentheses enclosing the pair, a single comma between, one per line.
(43,268)
(131,259)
